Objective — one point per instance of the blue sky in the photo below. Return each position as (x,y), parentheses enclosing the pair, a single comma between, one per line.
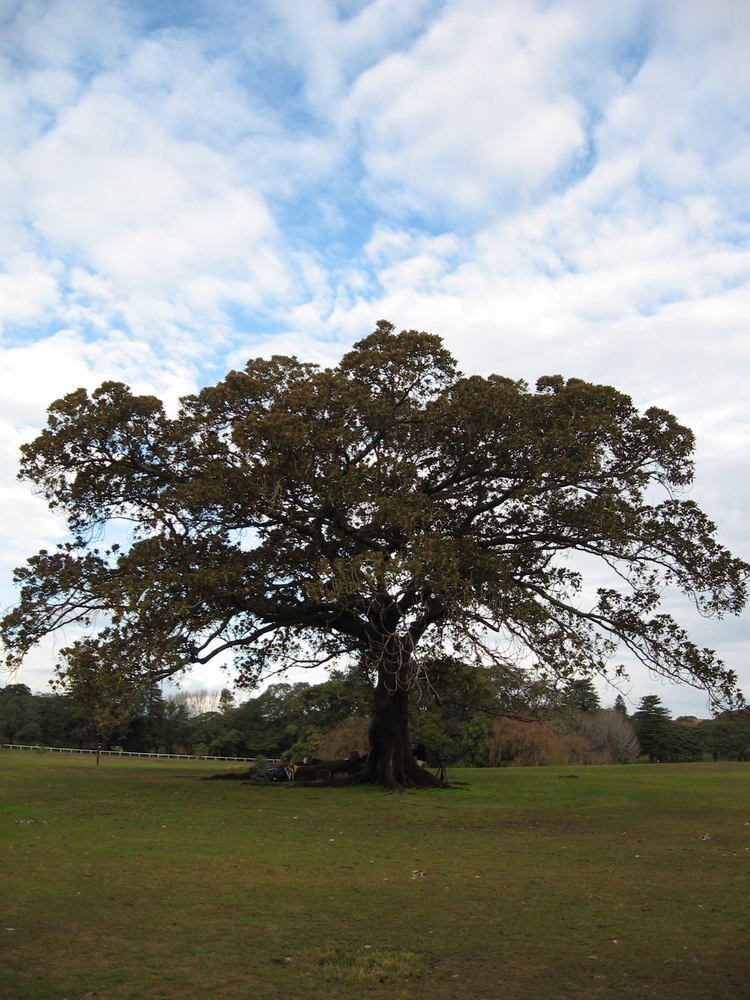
(551,186)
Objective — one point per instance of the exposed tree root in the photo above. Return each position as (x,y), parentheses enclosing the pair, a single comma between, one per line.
(342,773)
(339,773)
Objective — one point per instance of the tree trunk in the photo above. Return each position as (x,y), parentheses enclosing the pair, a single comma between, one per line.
(391,762)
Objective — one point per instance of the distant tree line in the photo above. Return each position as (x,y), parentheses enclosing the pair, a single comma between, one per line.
(725,737)
(471,719)
(286,719)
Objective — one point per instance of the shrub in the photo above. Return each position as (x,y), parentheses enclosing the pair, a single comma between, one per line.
(610,735)
(308,747)
(523,744)
(428,730)
(580,750)
(351,734)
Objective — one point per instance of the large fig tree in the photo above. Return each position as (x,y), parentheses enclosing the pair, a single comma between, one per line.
(389,509)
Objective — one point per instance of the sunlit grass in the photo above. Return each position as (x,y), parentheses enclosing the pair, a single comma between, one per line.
(135,879)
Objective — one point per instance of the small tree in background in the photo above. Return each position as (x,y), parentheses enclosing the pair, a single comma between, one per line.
(583,696)
(101,686)
(620,705)
(226,701)
(652,726)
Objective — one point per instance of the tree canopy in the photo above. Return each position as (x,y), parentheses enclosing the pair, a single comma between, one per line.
(389,509)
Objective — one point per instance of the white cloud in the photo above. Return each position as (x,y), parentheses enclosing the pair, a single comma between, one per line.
(28,289)
(156,219)
(332,50)
(133,187)
(473,117)
(551,186)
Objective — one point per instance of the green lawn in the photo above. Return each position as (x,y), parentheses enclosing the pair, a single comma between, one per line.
(136,880)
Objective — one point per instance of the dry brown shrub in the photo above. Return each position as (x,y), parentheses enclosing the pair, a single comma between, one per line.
(351,734)
(529,744)
(610,735)
(580,750)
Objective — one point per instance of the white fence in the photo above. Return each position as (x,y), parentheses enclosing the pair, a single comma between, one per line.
(133,753)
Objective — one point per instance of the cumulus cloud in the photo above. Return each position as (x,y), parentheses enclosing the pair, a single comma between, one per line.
(473,118)
(551,186)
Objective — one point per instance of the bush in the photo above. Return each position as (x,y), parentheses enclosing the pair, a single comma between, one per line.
(473,748)
(427,729)
(527,744)
(351,734)
(307,747)
(727,736)
(580,750)
(610,735)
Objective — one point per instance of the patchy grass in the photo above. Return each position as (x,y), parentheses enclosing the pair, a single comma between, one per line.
(135,880)
(360,964)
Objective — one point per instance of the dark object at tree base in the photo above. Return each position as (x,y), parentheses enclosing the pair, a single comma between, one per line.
(261,775)
(346,771)
(441,775)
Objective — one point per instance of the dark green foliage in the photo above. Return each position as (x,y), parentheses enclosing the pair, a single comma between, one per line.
(652,726)
(620,705)
(727,737)
(61,721)
(453,713)
(685,742)
(273,723)
(154,722)
(473,750)
(286,719)
(665,740)
(583,696)
(51,720)
(460,742)
(19,717)
(289,714)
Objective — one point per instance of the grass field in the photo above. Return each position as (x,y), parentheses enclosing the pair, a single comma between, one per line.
(136,880)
